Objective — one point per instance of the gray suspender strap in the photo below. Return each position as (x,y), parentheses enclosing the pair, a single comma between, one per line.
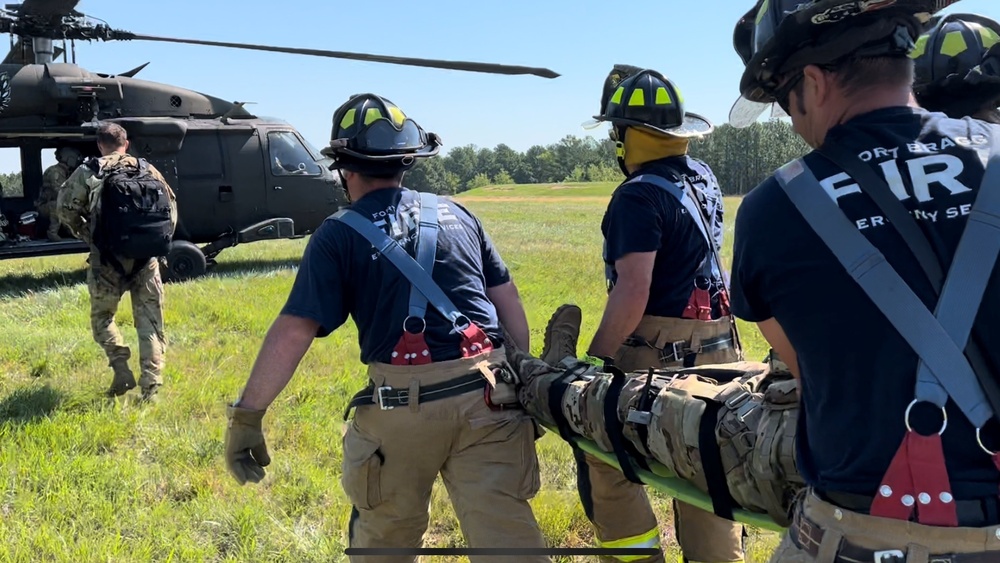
(697,216)
(426,249)
(941,357)
(689,203)
(404,262)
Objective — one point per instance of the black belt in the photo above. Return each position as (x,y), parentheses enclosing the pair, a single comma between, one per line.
(389,397)
(808,536)
(974,513)
(680,350)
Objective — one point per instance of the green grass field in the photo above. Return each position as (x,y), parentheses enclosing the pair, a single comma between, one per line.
(83,478)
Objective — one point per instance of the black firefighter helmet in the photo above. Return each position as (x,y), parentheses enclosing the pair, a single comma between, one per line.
(777,38)
(649,100)
(372,136)
(957,64)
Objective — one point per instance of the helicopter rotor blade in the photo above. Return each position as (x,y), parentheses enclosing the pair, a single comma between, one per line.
(490,68)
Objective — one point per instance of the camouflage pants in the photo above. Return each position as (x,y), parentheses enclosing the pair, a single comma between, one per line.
(47,209)
(106,288)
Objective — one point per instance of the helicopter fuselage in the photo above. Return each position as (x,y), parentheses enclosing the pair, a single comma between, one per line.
(237,177)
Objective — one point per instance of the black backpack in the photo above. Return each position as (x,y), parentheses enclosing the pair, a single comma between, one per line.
(134,219)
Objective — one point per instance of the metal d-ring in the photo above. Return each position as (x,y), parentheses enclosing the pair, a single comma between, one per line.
(979,440)
(422,329)
(906,417)
(468,323)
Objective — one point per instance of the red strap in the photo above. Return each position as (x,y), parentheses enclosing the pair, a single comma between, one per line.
(917,479)
(724,303)
(699,306)
(411,350)
(475,341)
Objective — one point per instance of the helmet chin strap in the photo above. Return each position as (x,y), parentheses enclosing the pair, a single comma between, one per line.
(343,185)
(620,148)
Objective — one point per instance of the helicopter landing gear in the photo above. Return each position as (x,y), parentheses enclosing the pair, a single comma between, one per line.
(184,261)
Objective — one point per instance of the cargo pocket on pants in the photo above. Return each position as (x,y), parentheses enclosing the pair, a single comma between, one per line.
(361,469)
(532,481)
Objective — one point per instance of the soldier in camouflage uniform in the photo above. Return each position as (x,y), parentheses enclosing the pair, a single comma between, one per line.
(67,159)
(78,206)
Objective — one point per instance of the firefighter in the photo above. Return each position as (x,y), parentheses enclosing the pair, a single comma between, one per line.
(850,263)
(667,303)
(429,332)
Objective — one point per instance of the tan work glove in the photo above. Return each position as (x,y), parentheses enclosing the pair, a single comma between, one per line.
(246,452)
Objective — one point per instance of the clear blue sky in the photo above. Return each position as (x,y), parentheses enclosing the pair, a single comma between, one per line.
(690,42)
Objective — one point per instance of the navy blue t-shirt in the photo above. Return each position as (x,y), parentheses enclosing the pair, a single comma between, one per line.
(643,217)
(858,374)
(342,274)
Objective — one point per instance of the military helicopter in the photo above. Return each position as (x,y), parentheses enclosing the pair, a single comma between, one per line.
(239,178)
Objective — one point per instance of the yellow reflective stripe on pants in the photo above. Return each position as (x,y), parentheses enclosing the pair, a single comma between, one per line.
(644,540)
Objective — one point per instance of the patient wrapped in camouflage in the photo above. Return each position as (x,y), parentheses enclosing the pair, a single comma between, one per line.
(747,410)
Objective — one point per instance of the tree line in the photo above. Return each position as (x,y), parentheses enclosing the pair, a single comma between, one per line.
(740,158)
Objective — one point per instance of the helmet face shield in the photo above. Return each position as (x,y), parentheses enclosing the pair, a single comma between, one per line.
(382,136)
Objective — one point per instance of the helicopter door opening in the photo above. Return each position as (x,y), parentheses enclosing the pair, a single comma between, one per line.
(296,186)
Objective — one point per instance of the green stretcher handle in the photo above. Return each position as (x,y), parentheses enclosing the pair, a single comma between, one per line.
(666,481)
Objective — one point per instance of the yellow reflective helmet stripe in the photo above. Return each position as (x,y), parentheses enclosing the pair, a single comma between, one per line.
(397,115)
(761,12)
(617,97)
(989,37)
(371,114)
(663,97)
(348,119)
(647,539)
(638,98)
(953,44)
(921,47)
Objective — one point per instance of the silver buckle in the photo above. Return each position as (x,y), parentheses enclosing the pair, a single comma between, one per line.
(890,556)
(380,394)
(678,348)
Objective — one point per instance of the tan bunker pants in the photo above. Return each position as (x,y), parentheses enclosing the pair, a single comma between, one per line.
(486,459)
(619,509)
(822,532)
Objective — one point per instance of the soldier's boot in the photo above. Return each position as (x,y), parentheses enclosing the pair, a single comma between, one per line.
(561,335)
(149,393)
(124,378)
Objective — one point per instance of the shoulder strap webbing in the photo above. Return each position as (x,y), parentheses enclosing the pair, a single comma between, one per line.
(937,349)
(872,185)
(427,232)
(689,203)
(403,261)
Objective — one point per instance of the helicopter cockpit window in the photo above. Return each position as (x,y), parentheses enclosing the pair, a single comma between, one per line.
(289,157)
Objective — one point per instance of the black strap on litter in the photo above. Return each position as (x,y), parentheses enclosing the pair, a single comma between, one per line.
(878,190)
(615,428)
(643,406)
(711,460)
